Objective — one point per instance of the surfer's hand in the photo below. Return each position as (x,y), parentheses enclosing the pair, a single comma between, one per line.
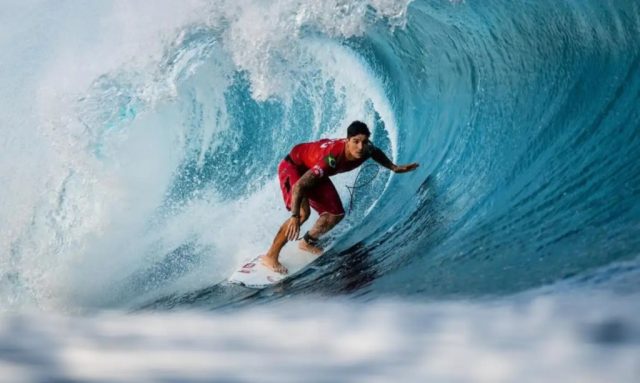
(405,168)
(293,228)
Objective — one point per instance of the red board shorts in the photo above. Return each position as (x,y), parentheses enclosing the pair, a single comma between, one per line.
(323,198)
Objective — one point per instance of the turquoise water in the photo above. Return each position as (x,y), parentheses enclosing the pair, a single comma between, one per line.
(138,161)
(527,132)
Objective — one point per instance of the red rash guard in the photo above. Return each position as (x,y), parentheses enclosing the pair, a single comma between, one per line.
(325,158)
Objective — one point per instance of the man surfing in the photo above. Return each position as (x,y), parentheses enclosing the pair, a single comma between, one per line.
(304,180)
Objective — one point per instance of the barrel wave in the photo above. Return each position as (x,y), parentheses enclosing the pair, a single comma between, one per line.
(138,158)
(153,168)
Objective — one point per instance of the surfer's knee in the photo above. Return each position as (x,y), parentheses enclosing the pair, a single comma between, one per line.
(334,219)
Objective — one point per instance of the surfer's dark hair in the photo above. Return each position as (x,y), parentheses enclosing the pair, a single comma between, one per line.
(358,127)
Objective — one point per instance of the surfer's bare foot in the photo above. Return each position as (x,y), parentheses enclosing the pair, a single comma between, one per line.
(304,245)
(273,264)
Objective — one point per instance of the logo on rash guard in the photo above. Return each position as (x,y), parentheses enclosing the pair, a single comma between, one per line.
(317,170)
(330,160)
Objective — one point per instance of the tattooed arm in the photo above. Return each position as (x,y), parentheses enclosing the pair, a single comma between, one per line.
(306,182)
(378,156)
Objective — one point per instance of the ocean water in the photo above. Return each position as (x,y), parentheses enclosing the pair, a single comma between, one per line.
(138,158)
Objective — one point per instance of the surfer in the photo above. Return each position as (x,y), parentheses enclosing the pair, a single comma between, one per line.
(304,179)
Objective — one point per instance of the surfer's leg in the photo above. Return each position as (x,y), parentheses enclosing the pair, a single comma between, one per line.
(325,222)
(271,258)
(325,200)
(288,175)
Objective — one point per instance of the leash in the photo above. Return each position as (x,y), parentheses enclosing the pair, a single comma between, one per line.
(361,184)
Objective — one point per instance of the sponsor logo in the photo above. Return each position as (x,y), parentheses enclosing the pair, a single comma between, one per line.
(326,144)
(248,265)
(247,268)
(317,170)
(330,160)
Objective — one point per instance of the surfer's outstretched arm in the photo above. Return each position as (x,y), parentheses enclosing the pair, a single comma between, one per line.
(378,156)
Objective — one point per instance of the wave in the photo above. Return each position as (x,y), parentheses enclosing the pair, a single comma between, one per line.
(147,137)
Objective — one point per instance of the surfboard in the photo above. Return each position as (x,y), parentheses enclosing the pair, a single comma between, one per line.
(252,273)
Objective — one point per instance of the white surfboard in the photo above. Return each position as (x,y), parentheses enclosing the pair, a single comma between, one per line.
(252,273)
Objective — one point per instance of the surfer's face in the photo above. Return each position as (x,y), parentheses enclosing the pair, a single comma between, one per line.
(357,146)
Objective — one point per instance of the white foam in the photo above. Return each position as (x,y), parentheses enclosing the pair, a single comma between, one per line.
(593,338)
(57,195)
(79,220)
(264,36)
